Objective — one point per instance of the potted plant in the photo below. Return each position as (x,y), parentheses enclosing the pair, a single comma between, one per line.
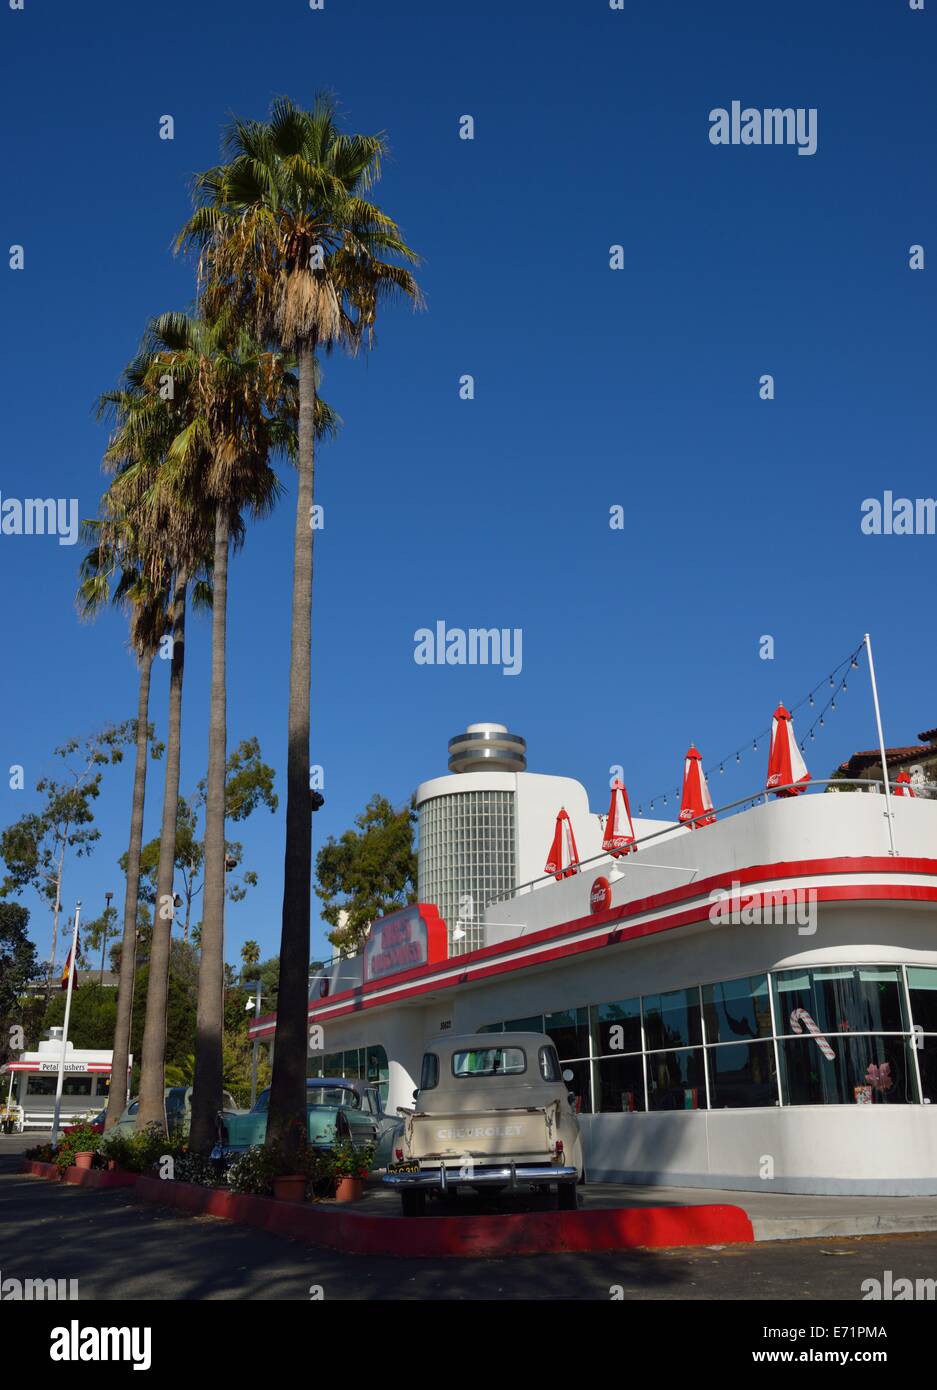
(350,1167)
(291,1187)
(84,1159)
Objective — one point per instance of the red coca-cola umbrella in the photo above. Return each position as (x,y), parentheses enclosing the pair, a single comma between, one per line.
(903,785)
(619,832)
(563,859)
(785,763)
(696,800)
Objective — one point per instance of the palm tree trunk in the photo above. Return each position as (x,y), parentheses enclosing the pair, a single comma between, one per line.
(206,1093)
(117,1095)
(286,1122)
(153,1060)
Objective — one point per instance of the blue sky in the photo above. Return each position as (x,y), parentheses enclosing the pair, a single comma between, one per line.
(593,387)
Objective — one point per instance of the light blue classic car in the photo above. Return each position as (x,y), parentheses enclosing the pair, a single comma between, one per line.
(336,1108)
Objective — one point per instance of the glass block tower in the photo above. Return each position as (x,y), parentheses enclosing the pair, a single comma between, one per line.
(467,850)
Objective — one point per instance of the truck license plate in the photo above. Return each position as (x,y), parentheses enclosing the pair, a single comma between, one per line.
(403,1168)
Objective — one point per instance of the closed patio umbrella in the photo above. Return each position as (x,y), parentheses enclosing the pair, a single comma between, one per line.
(696,800)
(785,763)
(619,832)
(563,859)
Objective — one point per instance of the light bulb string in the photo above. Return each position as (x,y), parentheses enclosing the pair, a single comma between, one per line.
(832,681)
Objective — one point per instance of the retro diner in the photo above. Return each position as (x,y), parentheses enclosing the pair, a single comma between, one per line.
(752,1001)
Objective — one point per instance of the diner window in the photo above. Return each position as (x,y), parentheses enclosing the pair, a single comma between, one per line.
(533,1024)
(378,1072)
(580,1085)
(620,1084)
(616,1027)
(734,1010)
(569,1031)
(742,1075)
(676,1080)
(672,1019)
(40,1085)
(332,1064)
(927,1062)
(862,1071)
(351,1065)
(922,988)
(841,999)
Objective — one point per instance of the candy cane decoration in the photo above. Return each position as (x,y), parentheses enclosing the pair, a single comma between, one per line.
(813,1030)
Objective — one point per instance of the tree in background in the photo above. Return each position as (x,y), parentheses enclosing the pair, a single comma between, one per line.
(370,871)
(250,956)
(18,966)
(95,934)
(34,847)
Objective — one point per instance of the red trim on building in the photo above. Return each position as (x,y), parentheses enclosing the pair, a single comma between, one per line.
(411,982)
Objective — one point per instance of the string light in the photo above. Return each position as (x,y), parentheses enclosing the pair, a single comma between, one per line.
(850,662)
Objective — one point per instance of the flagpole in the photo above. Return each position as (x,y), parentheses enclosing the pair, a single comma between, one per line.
(68,1008)
(881,744)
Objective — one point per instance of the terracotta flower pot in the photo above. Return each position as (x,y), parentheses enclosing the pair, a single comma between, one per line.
(348,1190)
(84,1160)
(111,1165)
(290,1189)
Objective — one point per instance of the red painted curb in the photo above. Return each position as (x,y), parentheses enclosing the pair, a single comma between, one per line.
(40,1170)
(617,1228)
(80,1177)
(100,1177)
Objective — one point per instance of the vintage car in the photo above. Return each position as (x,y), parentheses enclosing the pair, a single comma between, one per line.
(336,1107)
(492,1111)
(178,1112)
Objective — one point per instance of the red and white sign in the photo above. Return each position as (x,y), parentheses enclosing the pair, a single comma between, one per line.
(600,897)
(415,935)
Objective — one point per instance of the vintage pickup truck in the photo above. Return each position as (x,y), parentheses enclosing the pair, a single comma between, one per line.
(491,1112)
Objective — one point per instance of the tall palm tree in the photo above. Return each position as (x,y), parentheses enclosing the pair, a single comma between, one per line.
(173,534)
(234,409)
(114,558)
(289,243)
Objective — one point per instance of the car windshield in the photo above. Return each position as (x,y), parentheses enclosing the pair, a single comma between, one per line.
(317,1095)
(489,1061)
(333,1095)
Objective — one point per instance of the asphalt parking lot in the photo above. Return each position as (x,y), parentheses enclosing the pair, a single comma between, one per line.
(117,1249)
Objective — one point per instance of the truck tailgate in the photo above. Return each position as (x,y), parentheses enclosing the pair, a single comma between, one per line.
(485,1133)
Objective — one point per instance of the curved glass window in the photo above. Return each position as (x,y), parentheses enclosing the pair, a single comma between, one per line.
(742,1075)
(863,1070)
(840,999)
(735,1010)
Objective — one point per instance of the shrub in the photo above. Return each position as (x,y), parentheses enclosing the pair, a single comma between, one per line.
(254,1170)
(83,1139)
(142,1150)
(346,1161)
(41,1153)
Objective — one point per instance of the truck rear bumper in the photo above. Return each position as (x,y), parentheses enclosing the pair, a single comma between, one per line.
(441,1179)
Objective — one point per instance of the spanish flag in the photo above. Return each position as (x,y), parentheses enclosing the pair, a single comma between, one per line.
(66,969)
